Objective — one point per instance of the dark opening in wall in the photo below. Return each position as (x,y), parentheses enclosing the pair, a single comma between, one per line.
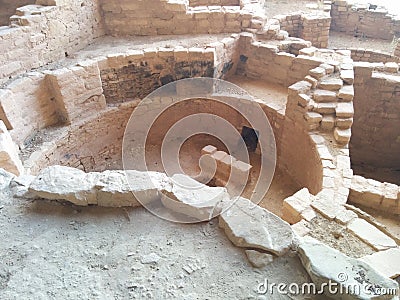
(250,137)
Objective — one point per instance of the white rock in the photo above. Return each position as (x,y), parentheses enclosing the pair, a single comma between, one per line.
(371,235)
(129,188)
(386,262)
(259,259)
(194,199)
(5,178)
(65,183)
(109,189)
(9,159)
(251,226)
(19,186)
(326,265)
(151,258)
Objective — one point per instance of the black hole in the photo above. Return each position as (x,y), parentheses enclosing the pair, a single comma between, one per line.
(250,137)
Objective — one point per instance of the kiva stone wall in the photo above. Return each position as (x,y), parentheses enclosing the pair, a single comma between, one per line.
(161,17)
(384,197)
(376,130)
(359,20)
(8,7)
(43,99)
(43,34)
(137,74)
(310,27)
(265,61)
(94,144)
(372,56)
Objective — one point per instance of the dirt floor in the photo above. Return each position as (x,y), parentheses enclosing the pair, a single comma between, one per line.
(58,251)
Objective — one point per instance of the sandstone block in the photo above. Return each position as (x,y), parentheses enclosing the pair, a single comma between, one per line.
(326,265)
(250,226)
(324,96)
(371,235)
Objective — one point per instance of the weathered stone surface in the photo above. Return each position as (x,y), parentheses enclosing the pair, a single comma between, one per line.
(344,110)
(346,93)
(313,117)
(318,72)
(371,235)
(9,159)
(325,265)
(110,188)
(258,259)
(345,216)
(250,226)
(301,228)
(64,183)
(129,188)
(391,67)
(386,262)
(194,199)
(324,96)
(5,178)
(347,76)
(293,206)
(19,186)
(331,84)
(342,136)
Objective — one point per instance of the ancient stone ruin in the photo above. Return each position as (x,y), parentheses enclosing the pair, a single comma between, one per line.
(199,149)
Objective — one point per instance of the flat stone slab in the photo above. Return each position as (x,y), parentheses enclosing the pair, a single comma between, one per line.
(326,266)
(371,235)
(346,93)
(386,262)
(250,226)
(194,199)
(109,188)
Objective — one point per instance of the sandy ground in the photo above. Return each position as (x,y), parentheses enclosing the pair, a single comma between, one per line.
(58,251)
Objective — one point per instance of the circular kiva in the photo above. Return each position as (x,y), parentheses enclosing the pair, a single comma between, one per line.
(235,165)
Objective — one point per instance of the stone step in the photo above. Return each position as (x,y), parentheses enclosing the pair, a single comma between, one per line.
(324,96)
(331,84)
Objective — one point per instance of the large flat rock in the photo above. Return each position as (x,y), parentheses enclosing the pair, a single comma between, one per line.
(386,262)
(194,199)
(371,235)
(109,188)
(250,226)
(64,183)
(326,266)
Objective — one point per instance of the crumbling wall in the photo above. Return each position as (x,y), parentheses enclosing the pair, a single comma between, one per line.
(376,131)
(8,8)
(43,34)
(310,27)
(360,20)
(94,144)
(136,75)
(264,61)
(372,56)
(160,17)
